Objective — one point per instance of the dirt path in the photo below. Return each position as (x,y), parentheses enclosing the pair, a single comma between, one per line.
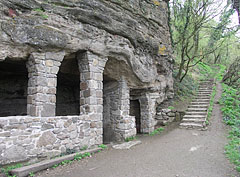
(176,153)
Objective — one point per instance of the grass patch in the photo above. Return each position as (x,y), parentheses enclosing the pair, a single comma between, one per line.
(220,74)
(102,146)
(157,131)
(7,169)
(41,13)
(130,138)
(230,102)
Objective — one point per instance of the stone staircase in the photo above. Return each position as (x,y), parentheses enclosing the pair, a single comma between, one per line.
(196,114)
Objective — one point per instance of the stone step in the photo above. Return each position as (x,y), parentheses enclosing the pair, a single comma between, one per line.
(199,103)
(198,106)
(193,120)
(191,125)
(205,89)
(203,94)
(202,97)
(196,113)
(194,116)
(200,100)
(205,85)
(196,109)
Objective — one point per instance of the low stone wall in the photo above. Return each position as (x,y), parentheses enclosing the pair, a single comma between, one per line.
(23,137)
(166,116)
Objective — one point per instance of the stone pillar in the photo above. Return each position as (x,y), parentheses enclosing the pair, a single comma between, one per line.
(42,74)
(91,68)
(125,125)
(148,112)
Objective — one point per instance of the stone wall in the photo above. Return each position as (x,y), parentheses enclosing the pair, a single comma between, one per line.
(28,138)
(166,116)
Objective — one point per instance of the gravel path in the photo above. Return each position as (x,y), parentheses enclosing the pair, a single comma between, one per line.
(175,153)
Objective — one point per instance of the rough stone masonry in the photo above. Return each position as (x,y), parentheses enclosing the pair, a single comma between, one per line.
(69,69)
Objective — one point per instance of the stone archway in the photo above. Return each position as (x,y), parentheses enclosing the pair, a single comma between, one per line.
(117,123)
(135,110)
(68,87)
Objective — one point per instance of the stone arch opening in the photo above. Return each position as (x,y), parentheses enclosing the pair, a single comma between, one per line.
(13,88)
(136,108)
(68,87)
(117,123)
(110,108)
(135,111)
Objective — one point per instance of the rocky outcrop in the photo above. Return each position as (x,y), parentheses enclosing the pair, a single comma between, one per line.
(104,52)
(134,32)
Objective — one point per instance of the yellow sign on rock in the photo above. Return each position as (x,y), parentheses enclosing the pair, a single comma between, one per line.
(162,50)
(156,2)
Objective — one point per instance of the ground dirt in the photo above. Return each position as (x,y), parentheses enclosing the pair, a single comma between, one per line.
(174,153)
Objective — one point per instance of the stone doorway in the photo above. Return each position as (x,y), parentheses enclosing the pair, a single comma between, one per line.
(136,112)
(13,88)
(68,87)
(110,106)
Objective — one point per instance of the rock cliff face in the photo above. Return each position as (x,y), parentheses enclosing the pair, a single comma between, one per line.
(120,49)
(134,32)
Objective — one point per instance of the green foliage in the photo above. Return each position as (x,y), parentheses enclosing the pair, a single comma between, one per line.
(81,156)
(31,174)
(205,71)
(102,146)
(77,157)
(230,102)
(220,74)
(197,37)
(7,169)
(130,138)
(171,107)
(41,13)
(157,131)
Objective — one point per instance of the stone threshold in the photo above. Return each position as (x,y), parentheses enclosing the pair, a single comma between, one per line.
(24,171)
(126,145)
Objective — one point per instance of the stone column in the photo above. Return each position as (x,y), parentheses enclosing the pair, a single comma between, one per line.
(91,68)
(125,124)
(42,74)
(148,111)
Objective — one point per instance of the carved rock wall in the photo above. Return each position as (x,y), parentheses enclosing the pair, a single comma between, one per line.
(125,41)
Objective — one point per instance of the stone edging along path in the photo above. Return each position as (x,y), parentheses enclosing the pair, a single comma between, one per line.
(196,114)
(26,170)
